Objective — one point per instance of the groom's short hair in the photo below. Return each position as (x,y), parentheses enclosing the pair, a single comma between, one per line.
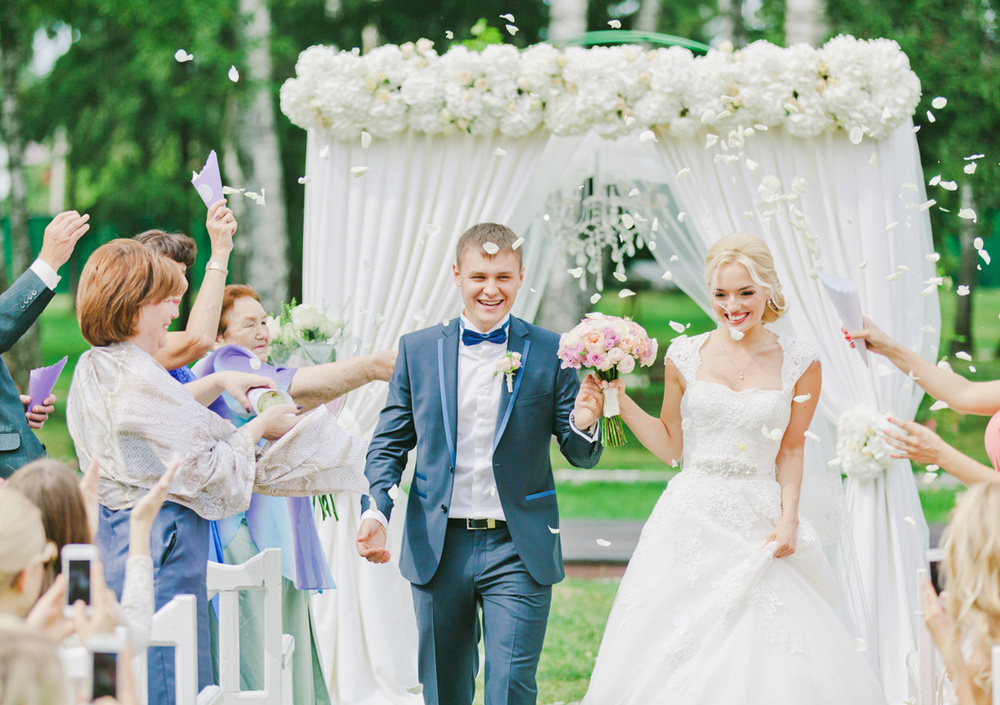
(478,235)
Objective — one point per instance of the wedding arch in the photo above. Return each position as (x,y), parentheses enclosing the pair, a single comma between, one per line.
(812,149)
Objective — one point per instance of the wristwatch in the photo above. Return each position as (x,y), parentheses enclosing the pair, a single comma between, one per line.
(216,265)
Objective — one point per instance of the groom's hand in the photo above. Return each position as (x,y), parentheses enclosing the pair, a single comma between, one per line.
(371,542)
(589,404)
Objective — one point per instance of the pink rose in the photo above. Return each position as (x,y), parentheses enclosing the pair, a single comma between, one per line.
(616,355)
(593,341)
(626,365)
(627,343)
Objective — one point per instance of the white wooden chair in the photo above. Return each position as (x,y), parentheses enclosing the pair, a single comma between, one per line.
(262,572)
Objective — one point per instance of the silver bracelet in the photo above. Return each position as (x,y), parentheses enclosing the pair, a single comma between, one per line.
(216,265)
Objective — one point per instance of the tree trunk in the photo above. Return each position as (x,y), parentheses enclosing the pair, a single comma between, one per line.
(968,275)
(26,353)
(649,16)
(263,229)
(567,18)
(804,22)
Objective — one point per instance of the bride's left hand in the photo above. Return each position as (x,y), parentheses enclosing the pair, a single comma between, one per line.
(784,535)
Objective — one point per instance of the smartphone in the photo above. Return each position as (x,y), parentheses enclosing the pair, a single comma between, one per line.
(76,560)
(106,675)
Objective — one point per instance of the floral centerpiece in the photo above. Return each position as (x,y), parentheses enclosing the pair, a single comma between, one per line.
(611,346)
(861,447)
(303,335)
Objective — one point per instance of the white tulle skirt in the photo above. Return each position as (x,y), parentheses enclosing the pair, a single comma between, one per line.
(705,614)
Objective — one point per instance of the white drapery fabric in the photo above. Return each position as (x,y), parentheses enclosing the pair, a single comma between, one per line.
(379,247)
(864,202)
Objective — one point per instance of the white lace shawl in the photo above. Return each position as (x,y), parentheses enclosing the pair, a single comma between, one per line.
(127,411)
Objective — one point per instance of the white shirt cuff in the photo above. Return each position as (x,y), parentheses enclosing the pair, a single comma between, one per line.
(589,437)
(48,275)
(377,516)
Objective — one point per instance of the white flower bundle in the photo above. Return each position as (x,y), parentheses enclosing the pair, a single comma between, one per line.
(861,445)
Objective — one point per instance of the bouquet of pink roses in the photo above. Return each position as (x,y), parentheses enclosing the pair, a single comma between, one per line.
(611,346)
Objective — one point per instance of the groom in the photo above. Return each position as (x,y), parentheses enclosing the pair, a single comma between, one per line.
(481,518)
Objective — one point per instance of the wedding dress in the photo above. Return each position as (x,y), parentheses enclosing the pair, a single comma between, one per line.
(705,614)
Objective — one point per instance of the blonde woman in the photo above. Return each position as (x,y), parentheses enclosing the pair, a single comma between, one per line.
(965,621)
(727,598)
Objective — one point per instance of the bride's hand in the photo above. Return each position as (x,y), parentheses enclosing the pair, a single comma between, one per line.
(784,534)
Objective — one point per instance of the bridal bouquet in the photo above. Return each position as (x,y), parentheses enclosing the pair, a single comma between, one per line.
(303,335)
(861,447)
(611,346)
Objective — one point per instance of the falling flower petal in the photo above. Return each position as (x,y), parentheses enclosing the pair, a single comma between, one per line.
(891,226)
(234,75)
(811,436)
(432,229)
(736,334)
(553,531)
(679,327)
(926,205)
(517,243)
(448,34)
(667,276)
(751,164)
(834,463)
(978,243)
(929,477)
(685,423)
(802,398)
(620,277)
(985,255)
(651,245)
(962,355)
(633,193)
(627,221)
(512,29)
(595,298)
(927,329)
(675,258)
(883,370)
(860,645)
(857,134)
(303,179)
(933,468)
(894,276)
(973,156)
(928,290)
(416,689)
(938,405)
(499,152)
(949,185)
(939,102)
(968,214)
(873,159)
(930,117)
(602,543)
(181,56)
(625,293)
(963,290)
(366,139)
(359,171)
(491,248)
(932,257)
(647,136)
(862,264)
(324,152)
(615,24)
(681,216)
(629,121)
(509,17)
(910,520)
(229,190)
(710,140)
(393,493)
(576,272)
(935,180)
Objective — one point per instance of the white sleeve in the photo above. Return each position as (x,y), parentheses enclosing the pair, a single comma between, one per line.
(48,275)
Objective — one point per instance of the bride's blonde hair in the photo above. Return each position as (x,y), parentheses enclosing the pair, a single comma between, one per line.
(971,567)
(750,251)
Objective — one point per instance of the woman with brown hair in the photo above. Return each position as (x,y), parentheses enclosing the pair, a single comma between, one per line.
(125,410)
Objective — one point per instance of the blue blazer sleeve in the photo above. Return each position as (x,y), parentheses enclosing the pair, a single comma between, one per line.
(20,307)
(395,436)
(575,449)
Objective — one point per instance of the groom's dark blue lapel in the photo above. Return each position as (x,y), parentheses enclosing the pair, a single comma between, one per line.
(517,342)
(447,349)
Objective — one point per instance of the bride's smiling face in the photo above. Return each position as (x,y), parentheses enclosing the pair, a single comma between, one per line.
(737,300)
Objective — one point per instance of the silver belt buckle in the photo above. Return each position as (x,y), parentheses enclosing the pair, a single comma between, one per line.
(470,524)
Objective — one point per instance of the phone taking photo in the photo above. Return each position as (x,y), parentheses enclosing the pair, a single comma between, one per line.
(106,678)
(76,562)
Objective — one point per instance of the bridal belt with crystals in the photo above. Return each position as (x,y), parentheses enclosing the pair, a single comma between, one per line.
(725,467)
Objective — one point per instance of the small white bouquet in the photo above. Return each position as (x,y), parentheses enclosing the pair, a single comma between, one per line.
(302,335)
(861,446)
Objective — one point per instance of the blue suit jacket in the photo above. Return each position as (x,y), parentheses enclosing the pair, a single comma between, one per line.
(420,412)
(20,306)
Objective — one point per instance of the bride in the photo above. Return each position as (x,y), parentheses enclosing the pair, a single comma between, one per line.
(728,597)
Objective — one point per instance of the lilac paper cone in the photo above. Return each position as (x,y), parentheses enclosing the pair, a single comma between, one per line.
(208,182)
(42,381)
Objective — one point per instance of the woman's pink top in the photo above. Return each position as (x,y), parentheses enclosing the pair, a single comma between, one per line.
(992,441)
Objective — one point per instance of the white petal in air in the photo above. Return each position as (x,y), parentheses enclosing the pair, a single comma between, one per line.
(811,436)
(359,171)
(932,468)
(681,216)
(883,370)
(303,179)
(685,423)
(625,293)
(683,173)
(675,258)
(629,121)
(969,168)
(517,243)
(633,193)
(894,276)
(963,290)
(862,264)
(602,543)
(416,689)
(512,29)
(595,298)
(928,290)
(938,405)
(939,102)
(620,277)
(324,152)
(679,327)
(229,190)
(234,75)
(393,493)
(930,117)
(553,531)
(802,397)
(949,185)
(449,35)
(499,152)
(932,257)
(935,180)
(962,355)
(181,56)
(615,24)
(667,276)
(968,214)
(627,221)
(432,229)
(910,520)
(985,255)
(978,243)
(891,226)
(491,248)
(860,645)
(509,17)
(647,136)
(366,139)
(752,165)
(929,477)
(736,334)
(576,272)
(857,134)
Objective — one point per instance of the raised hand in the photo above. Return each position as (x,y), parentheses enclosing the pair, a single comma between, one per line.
(39,413)
(915,442)
(371,542)
(61,236)
(144,512)
(877,341)
(221,225)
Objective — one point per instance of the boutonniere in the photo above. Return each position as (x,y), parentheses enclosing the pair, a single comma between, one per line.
(508,365)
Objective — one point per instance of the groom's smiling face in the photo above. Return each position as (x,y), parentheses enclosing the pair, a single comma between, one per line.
(489,285)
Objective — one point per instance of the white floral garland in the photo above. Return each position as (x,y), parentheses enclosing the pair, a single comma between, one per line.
(861,447)
(848,83)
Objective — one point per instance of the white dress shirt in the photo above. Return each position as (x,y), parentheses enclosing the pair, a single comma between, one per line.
(48,275)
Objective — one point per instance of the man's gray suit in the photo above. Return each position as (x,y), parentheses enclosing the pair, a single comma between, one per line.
(20,306)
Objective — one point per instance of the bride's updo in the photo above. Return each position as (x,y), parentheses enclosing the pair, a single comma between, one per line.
(750,251)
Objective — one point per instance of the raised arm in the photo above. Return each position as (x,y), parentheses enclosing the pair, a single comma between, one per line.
(961,394)
(661,436)
(918,443)
(186,346)
(318,384)
(790,458)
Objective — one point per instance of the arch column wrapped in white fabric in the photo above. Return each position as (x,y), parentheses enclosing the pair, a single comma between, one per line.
(852,201)
(398,223)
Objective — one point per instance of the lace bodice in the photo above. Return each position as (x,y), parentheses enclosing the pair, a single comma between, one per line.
(735,433)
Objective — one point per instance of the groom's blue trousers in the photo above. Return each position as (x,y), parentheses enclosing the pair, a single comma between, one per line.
(480,573)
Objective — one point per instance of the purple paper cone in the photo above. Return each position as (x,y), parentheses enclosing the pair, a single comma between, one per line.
(208,182)
(42,381)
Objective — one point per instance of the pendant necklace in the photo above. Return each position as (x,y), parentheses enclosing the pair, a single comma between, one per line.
(753,357)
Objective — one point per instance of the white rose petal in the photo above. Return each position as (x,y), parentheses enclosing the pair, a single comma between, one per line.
(938,405)
(449,35)
(509,17)
(416,689)
(491,248)
(811,436)
(891,226)
(647,136)
(602,543)
(969,168)
(857,134)
(675,258)
(751,164)
(627,221)
(629,121)
(432,229)
(685,423)
(930,117)
(229,190)
(949,185)
(625,293)
(303,179)
(932,257)
(681,216)
(910,520)
(651,245)
(834,463)
(926,205)
(324,152)
(517,243)
(985,255)
(883,370)
(862,264)
(393,493)
(683,173)
(929,477)
(928,290)
(576,272)
(615,24)
(894,276)
(962,355)
(553,531)
(499,152)
(512,29)
(911,186)
(873,159)
(234,75)
(973,156)
(968,214)
(939,102)
(978,243)
(366,139)
(595,298)
(935,180)
(963,290)
(802,397)
(710,141)
(860,645)
(181,56)
(679,327)
(633,193)
(620,277)
(359,171)
(933,468)
(667,276)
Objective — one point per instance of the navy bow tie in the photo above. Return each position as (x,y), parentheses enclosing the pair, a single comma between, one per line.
(472,337)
